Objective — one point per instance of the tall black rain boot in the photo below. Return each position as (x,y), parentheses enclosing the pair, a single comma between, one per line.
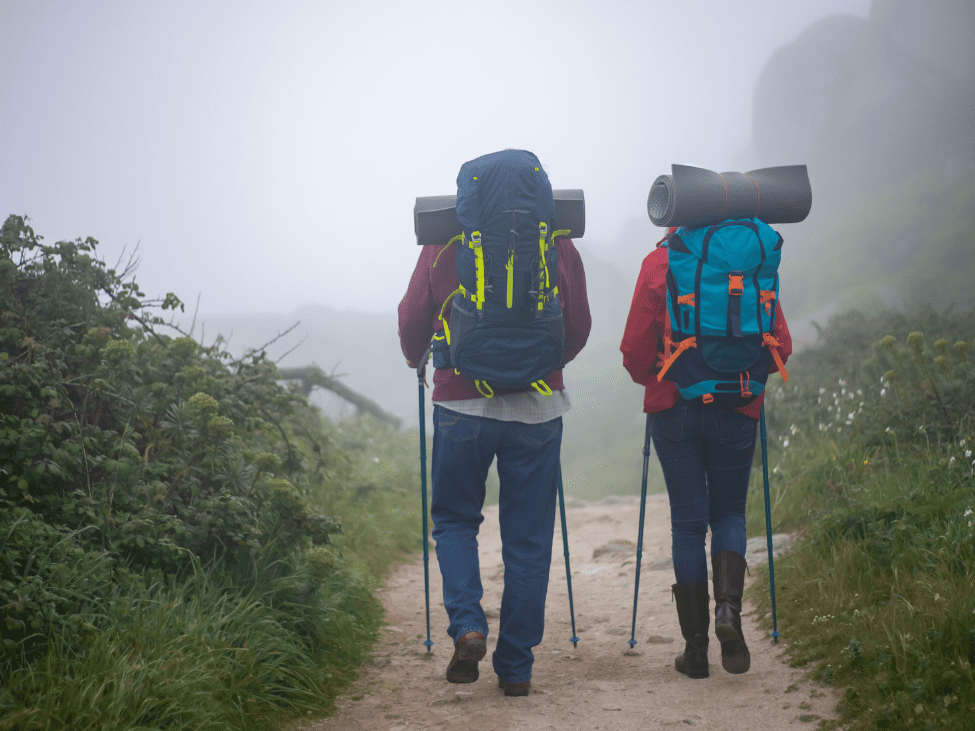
(728,570)
(695,617)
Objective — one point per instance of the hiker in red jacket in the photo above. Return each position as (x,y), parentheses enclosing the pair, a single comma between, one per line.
(705,452)
(524,431)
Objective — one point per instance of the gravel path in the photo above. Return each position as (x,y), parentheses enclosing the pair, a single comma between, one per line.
(600,684)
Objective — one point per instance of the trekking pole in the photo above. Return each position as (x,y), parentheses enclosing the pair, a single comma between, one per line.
(565,546)
(768,526)
(420,373)
(639,540)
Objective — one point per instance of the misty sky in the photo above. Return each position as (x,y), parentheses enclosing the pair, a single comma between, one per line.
(267,155)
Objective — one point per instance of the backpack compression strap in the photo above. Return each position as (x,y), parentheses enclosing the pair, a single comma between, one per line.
(475,243)
(546,292)
(543,278)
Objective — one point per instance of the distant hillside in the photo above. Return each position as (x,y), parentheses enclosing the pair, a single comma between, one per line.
(603,432)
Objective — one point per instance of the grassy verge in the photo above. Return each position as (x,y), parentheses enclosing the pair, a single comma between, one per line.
(871,458)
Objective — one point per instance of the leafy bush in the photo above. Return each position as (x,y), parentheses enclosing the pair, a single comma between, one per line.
(160,515)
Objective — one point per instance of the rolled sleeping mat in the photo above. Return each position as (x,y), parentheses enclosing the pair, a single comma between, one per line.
(435,216)
(695,197)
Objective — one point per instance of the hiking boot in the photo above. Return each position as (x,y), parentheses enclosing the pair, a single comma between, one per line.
(694,617)
(515,689)
(468,651)
(728,569)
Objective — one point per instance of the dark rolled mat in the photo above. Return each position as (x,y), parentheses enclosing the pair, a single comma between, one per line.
(696,197)
(435,216)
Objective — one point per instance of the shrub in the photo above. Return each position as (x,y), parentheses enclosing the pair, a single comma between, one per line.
(154,492)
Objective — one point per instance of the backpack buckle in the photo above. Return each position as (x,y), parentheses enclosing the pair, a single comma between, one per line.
(736,283)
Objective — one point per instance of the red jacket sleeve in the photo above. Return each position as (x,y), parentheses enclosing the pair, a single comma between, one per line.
(644,323)
(418,308)
(573,297)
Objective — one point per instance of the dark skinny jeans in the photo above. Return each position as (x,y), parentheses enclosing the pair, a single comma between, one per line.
(705,452)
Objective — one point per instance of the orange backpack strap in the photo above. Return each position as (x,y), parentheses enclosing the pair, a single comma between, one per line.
(690,342)
(773,346)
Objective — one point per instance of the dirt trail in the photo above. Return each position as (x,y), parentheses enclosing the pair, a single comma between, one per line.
(602,683)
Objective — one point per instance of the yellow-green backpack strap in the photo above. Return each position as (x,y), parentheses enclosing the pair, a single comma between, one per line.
(484,389)
(542,387)
(478,268)
(446,326)
(543,284)
(458,237)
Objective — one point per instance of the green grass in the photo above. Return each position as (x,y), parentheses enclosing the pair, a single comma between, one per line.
(201,654)
(876,474)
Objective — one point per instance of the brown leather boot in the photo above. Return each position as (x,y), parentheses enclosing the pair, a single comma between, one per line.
(468,651)
(728,569)
(695,617)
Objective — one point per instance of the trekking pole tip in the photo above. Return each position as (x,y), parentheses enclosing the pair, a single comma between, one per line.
(429,644)
(574,640)
(775,634)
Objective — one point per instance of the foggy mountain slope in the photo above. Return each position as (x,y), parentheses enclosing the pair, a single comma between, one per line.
(882,110)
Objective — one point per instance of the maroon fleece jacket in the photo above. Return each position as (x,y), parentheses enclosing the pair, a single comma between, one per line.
(430,287)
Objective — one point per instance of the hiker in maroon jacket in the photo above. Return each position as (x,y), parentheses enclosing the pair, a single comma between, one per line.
(524,431)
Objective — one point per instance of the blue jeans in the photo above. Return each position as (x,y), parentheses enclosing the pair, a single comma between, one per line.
(705,452)
(528,468)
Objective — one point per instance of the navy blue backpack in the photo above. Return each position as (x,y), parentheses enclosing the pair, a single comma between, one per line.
(722,290)
(505,329)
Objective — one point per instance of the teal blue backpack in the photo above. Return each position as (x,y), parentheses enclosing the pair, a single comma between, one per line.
(722,290)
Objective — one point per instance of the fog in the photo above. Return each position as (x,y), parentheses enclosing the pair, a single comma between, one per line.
(265,156)
(261,161)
